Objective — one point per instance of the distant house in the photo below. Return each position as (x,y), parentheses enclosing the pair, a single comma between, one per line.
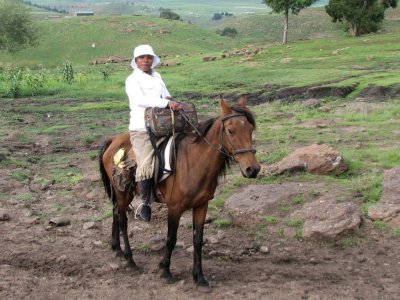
(84,13)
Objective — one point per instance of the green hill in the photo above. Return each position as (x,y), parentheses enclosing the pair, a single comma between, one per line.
(80,40)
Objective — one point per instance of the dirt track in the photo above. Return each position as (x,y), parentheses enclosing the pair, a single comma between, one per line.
(39,261)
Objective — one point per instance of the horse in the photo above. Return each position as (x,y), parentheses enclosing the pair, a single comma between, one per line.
(202,158)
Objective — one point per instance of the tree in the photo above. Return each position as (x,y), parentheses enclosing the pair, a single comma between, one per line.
(167,14)
(17,28)
(360,16)
(294,6)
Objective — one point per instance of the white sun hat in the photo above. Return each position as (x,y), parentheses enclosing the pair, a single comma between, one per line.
(144,50)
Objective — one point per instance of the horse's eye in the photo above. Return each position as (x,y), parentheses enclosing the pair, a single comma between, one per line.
(231,132)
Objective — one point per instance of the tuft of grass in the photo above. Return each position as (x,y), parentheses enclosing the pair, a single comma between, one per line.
(396,232)
(144,247)
(25,197)
(271,220)
(19,175)
(298,199)
(380,225)
(222,223)
(294,222)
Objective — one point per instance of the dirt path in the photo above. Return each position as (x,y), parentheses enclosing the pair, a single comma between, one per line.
(42,178)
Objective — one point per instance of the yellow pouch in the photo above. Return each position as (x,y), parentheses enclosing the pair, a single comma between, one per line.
(118,158)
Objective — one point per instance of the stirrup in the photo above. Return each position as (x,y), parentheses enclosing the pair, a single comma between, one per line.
(137,210)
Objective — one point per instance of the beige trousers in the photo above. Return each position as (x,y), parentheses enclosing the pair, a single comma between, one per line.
(144,153)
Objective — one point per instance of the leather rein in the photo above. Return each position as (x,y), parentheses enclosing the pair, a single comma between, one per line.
(221,148)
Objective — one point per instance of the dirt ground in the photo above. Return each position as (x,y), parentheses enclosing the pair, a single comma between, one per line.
(40,261)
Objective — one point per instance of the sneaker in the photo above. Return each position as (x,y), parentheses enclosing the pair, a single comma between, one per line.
(145,213)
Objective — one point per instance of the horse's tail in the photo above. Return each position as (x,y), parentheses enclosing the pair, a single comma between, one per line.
(104,177)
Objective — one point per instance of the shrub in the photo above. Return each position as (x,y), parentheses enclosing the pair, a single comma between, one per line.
(167,14)
(229,31)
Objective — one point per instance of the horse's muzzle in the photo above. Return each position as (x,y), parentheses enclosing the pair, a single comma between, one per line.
(251,171)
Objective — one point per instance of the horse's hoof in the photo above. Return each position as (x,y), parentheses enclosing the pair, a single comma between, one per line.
(202,283)
(203,286)
(133,267)
(119,253)
(167,276)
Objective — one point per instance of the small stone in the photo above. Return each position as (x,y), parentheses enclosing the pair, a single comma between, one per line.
(211,240)
(59,221)
(89,225)
(62,258)
(264,249)
(180,244)
(4,216)
(98,243)
(114,266)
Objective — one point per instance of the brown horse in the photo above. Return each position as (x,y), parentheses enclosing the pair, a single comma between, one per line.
(200,161)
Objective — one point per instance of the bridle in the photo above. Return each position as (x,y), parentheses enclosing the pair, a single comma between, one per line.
(221,148)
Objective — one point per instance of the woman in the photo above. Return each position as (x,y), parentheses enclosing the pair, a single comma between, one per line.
(145,88)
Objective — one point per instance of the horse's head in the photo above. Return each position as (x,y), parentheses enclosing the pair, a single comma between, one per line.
(236,136)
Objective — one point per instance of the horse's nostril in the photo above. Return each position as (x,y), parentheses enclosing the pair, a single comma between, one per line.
(252,172)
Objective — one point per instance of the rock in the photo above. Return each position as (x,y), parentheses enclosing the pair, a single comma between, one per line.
(157,243)
(256,201)
(89,225)
(328,220)
(169,64)
(311,103)
(4,216)
(59,221)
(383,211)
(2,157)
(179,244)
(395,222)
(209,58)
(264,249)
(98,243)
(316,159)
(211,240)
(391,186)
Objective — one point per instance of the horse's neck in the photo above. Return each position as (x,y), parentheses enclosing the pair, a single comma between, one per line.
(209,151)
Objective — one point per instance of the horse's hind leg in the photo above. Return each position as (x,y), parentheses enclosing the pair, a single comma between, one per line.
(123,223)
(173,223)
(115,243)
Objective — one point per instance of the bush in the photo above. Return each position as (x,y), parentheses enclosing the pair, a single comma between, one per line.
(167,14)
(229,31)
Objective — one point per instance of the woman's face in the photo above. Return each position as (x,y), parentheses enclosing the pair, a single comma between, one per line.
(144,63)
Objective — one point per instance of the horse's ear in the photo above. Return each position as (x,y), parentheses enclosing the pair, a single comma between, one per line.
(243,101)
(226,110)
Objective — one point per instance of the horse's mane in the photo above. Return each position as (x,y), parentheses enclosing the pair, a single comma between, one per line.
(205,126)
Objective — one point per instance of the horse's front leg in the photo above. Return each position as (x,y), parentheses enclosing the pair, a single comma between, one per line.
(173,223)
(199,216)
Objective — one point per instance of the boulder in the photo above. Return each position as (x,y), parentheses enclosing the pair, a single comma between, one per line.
(388,209)
(316,159)
(328,220)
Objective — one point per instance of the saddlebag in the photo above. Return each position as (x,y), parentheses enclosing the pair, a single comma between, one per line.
(164,122)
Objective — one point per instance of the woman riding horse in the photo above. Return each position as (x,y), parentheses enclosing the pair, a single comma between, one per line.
(201,159)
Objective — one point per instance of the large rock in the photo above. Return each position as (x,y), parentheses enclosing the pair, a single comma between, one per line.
(256,201)
(391,186)
(388,209)
(328,220)
(316,159)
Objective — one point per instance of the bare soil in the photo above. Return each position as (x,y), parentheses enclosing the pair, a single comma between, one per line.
(40,261)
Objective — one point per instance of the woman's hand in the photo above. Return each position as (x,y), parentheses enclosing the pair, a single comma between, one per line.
(174,105)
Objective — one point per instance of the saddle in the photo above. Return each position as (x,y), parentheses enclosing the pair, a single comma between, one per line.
(124,164)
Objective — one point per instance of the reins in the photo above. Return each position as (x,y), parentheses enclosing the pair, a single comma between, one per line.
(221,148)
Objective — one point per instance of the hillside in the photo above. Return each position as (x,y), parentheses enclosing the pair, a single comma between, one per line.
(80,40)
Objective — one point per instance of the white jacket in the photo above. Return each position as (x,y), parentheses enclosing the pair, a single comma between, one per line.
(144,90)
